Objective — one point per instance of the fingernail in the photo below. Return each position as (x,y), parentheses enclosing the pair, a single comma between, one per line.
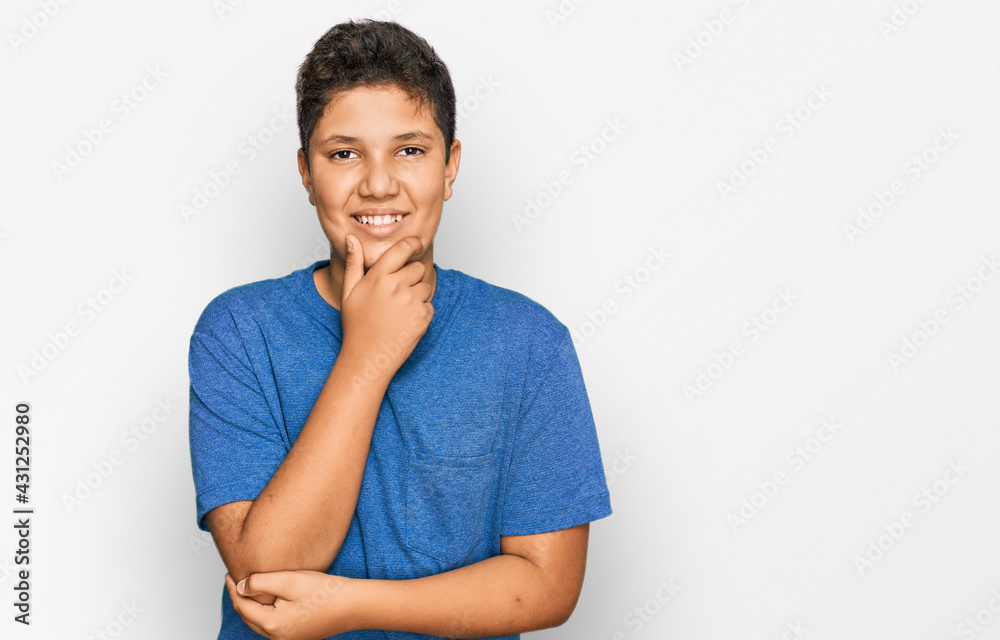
(241,588)
(350,246)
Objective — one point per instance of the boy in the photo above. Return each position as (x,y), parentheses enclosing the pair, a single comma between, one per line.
(381,447)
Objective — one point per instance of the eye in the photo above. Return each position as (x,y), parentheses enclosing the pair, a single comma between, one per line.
(342,154)
(411,151)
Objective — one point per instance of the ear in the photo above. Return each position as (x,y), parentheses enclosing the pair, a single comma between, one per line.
(306,176)
(451,169)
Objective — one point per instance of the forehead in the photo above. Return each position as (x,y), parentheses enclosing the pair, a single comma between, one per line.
(367,112)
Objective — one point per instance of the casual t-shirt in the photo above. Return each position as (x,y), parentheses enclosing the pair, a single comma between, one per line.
(485,431)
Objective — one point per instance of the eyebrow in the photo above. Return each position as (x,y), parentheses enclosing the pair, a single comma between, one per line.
(341,139)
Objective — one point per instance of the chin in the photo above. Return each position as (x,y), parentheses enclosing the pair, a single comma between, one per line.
(372,258)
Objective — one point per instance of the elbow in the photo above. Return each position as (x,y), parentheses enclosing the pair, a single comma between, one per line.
(244,566)
(267,560)
(556,608)
(549,618)
(243,560)
(564,613)
(247,545)
(561,613)
(248,557)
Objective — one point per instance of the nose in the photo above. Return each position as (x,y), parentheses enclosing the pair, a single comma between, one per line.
(378,181)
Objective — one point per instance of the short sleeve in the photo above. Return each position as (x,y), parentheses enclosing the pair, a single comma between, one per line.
(555,479)
(236,446)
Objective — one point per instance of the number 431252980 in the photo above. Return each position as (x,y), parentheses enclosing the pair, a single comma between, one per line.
(22,449)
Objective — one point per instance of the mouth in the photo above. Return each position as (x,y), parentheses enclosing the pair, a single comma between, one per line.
(379,224)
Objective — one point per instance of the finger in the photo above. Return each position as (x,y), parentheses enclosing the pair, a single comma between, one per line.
(413,273)
(252,612)
(242,602)
(354,269)
(428,291)
(234,594)
(405,250)
(275,583)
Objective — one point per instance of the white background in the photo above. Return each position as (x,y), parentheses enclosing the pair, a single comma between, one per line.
(824,553)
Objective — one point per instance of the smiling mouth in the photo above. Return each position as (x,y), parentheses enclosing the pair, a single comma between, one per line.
(379,221)
(382,225)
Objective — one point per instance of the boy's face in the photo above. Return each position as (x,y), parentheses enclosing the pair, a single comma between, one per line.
(376,152)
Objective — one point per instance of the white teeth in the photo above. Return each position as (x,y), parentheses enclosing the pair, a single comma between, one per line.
(379,220)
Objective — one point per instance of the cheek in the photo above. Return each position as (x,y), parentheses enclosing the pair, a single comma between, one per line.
(427,188)
(332,190)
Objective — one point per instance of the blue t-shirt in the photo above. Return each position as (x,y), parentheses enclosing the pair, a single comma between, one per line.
(485,431)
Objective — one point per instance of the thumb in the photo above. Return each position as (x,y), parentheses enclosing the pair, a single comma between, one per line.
(354,268)
(272,584)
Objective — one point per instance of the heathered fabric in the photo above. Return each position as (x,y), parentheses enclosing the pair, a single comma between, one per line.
(485,431)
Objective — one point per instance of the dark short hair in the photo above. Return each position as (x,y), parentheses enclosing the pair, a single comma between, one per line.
(373,53)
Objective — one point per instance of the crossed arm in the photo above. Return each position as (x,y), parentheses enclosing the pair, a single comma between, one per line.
(296,527)
(287,538)
(533,584)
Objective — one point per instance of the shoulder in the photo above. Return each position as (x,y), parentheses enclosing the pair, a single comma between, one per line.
(238,308)
(520,319)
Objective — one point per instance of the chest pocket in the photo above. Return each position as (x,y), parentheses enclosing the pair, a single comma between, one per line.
(447,500)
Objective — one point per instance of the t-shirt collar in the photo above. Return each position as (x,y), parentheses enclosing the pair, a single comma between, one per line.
(329,316)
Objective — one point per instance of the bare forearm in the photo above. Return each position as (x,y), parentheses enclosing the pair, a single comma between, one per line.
(501,595)
(301,518)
